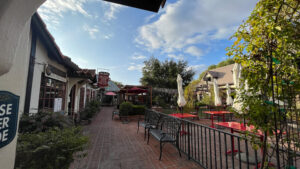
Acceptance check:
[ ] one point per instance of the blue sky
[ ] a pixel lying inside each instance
(97, 34)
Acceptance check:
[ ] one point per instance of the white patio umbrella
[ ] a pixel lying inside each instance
(181, 101)
(229, 100)
(217, 95)
(236, 71)
(237, 104)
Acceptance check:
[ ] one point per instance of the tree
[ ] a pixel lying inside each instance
(164, 74)
(267, 47)
(189, 93)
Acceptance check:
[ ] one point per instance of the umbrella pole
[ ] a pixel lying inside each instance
(181, 110)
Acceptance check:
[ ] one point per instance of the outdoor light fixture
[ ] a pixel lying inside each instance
(149, 5)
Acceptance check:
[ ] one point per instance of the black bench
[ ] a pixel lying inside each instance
(151, 121)
(168, 132)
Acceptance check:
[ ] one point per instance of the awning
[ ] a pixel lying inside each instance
(136, 90)
(110, 94)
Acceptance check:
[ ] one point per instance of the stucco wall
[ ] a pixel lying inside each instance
(15, 82)
(41, 59)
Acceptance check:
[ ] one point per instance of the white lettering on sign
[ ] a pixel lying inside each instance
(5, 109)
(8, 109)
(3, 135)
(4, 122)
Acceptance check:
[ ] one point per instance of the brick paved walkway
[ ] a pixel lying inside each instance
(114, 145)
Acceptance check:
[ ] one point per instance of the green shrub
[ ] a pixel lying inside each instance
(208, 100)
(200, 104)
(90, 110)
(125, 108)
(94, 103)
(51, 149)
(138, 110)
(43, 121)
(48, 141)
(159, 101)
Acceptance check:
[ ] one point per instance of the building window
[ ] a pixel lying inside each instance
(49, 91)
(88, 94)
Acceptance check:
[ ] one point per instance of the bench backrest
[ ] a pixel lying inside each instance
(171, 126)
(152, 117)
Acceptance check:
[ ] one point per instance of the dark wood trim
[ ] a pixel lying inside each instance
(57, 71)
(149, 5)
(30, 73)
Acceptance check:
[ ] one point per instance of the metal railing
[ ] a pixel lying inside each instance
(211, 147)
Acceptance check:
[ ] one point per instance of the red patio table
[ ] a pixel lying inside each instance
(182, 115)
(217, 113)
(242, 128)
(236, 127)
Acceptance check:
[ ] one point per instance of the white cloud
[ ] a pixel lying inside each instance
(137, 56)
(137, 67)
(111, 10)
(92, 31)
(194, 51)
(52, 10)
(183, 23)
(176, 57)
(108, 36)
(197, 68)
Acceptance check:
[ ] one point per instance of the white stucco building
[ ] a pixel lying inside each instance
(43, 78)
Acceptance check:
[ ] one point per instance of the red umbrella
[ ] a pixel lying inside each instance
(137, 90)
(110, 94)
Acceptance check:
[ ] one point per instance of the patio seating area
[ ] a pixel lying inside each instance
(114, 145)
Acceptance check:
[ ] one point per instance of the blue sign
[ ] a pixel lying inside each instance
(9, 109)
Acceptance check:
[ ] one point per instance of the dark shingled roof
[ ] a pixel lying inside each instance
(222, 74)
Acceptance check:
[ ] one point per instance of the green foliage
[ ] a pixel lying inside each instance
(48, 140)
(138, 110)
(190, 95)
(268, 35)
(200, 104)
(164, 74)
(267, 46)
(125, 108)
(159, 101)
(51, 149)
(207, 100)
(43, 121)
(129, 109)
(90, 110)
(225, 63)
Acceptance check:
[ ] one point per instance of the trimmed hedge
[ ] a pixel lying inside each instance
(128, 109)
(138, 110)
(125, 108)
